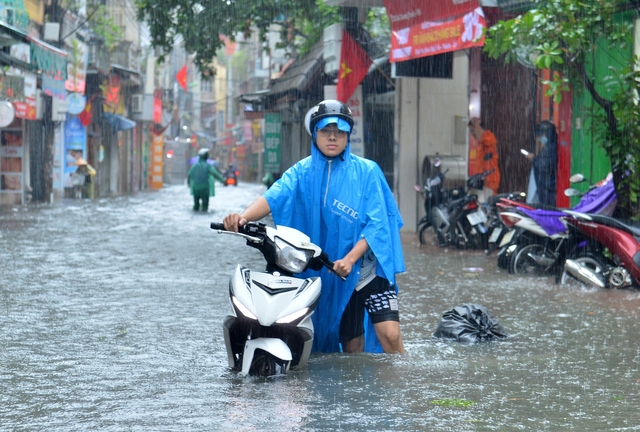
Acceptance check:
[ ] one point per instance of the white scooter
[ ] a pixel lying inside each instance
(269, 328)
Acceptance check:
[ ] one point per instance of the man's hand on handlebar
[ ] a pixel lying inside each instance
(233, 221)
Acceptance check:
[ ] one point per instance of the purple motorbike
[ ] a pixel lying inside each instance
(544, 240)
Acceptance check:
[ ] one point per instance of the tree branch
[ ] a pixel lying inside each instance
(606, 105)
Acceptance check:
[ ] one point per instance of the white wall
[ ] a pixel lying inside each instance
(425, 122)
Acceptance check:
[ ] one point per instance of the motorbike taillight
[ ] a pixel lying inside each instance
(508, 220)
(471, 205)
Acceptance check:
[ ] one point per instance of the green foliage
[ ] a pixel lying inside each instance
(623, 144)
(202, 23)
(310, 30)
(563, 36)
(103, 26)
(379, 27)
(461, 403)
(239, 62)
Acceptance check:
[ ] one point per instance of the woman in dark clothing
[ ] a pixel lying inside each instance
(545, 161)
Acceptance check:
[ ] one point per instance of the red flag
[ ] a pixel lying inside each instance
(86, 115)
(181, 77)
(354, 65)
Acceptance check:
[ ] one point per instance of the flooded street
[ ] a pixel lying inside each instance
(111, 313)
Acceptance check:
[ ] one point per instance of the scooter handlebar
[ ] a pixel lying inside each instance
(217, 226)
(324, 259)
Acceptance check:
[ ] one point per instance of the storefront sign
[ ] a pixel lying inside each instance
(272, 140)
(11, 167)
(53, 87)
(75, 103)
(77, 68)
(75, 146)
(419, 28)
(157, 160)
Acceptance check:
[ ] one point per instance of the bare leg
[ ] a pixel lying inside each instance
(388, 333)
(354, 345)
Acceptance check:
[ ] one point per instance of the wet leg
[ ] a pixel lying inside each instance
(388, 333)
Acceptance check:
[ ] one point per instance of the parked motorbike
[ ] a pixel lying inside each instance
(269, 329)
(497, 228)
(454, 214)
(78, 181)
(611, 256)
(435, 200)
(543, 239)
(468, 219)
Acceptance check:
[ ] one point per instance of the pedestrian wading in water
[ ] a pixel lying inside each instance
(344, 204)
(201, 181)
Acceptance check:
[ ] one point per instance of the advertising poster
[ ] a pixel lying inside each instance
(75, 146)
(157, 160)
(421, 28)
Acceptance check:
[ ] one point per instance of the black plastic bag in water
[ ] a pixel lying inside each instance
(469, 323)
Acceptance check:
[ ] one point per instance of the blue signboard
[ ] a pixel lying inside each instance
(75, 146)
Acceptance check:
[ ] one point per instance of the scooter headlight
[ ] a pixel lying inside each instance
(243, 309)
(293, 317)
(290, 258)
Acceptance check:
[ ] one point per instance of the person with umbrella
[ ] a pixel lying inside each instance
(200, 180)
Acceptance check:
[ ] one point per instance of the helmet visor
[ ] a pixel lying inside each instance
(342, 124)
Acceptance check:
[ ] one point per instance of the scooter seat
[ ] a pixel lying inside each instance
(460, 202)
(632, 227)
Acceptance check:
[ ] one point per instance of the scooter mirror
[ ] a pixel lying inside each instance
(572, 192)
(576, 178)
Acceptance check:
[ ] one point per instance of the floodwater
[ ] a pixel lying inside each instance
(111, 312)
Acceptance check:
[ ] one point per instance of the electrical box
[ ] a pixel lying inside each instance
(136, 103)
(52, 31)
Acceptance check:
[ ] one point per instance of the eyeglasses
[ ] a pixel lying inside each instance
(326, 132)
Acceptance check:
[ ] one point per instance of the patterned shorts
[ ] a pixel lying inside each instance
(381, 303)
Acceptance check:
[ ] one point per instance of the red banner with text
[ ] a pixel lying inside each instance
(420, 28)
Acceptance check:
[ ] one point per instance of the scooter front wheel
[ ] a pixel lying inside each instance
(265, 364)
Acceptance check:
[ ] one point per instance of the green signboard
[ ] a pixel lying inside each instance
(272, 140)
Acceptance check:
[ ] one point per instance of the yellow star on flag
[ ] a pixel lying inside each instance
(345, 70)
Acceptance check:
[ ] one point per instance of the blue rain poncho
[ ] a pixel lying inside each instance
(336, 202)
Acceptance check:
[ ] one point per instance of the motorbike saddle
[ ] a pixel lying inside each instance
(460, 202)
(631, 227)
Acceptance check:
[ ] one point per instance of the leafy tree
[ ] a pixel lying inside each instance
(200, 24)
(563, 35)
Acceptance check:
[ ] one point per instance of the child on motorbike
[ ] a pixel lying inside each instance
(344, 204)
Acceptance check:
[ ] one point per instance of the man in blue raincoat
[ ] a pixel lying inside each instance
(344, 204)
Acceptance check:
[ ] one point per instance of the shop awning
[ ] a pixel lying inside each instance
(421, 28)
(118, 122)
(45, 58)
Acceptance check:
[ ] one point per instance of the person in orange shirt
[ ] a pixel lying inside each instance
(487, 158)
